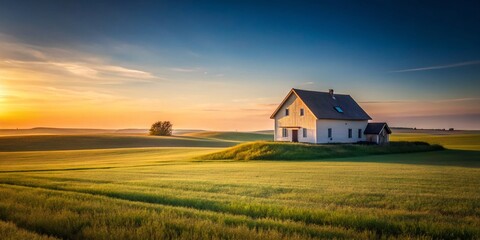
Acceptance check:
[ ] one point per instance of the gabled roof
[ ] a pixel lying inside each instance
(322, 105)
(376, 128)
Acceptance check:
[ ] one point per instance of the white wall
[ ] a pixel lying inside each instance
(375, 138)
(308, 121)
(340, 130)
(383, 134)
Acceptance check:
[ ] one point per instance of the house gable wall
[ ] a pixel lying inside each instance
(308, 121)
(380, 138)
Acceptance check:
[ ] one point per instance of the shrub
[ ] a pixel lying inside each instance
(161, 128)
(301, 151)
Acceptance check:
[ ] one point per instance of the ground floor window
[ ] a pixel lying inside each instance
(304, 132)
(330, 133)
(349, 133)
(359, 133)
(284, 132)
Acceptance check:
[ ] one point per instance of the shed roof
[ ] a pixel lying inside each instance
(322, 105)
(376, 128)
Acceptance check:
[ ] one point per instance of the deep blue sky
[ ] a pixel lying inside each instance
(375, 50)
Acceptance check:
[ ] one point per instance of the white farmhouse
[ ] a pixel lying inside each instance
(325, 117)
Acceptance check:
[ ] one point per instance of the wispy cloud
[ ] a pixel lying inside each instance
(126, 72)
(66, 64)
(61, 80)
(451, 100)
(453, 65)
(186, 70)
(306, 83)
(109, 74)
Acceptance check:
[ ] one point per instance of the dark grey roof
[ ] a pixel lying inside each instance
(376, 128)
(323, 105)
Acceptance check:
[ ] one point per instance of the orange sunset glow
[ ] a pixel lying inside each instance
(119, 82)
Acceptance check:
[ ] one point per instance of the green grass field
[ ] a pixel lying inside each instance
(75, 142)
(233, 136)
(451, 141)
(263, 150)
(120, 191)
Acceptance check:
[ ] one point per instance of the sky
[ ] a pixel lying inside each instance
(226, 65)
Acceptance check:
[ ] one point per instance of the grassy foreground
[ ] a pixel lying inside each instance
(160, 193)
(167, 193)
(300, 151)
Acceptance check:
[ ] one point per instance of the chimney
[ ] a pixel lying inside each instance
(331, 92)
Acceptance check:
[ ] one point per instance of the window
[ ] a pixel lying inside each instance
(287, 112)
(329, 133)
(349, 133)
(284, 132)
(304, 132)
(302, 112)
(339, 109)
(359, 133)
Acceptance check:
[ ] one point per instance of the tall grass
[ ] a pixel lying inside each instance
(9, 231)
(78, 216)
(168, 194)
(300, 151)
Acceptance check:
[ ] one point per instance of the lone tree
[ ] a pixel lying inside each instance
(161, 128)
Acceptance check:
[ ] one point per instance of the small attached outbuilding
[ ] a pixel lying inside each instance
(377, 133)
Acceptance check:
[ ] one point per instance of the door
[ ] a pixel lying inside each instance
(294, 135)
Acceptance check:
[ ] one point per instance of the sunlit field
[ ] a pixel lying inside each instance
(462, 141)
(155, 192)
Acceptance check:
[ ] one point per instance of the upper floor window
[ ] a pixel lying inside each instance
(302, 112)
(287, 112)
(349, 133)
(339, 109)
(304, 132)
